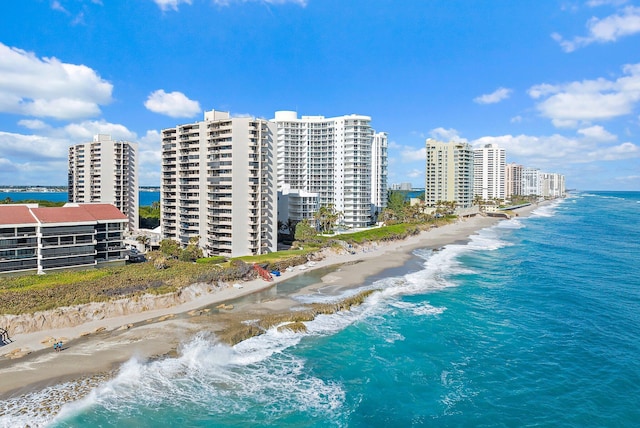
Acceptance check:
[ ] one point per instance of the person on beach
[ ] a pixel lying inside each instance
(55, 346)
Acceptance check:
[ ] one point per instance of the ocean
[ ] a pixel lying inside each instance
(145, 198)
(533, 322)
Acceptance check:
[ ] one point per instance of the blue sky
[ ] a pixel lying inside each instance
(556, 83)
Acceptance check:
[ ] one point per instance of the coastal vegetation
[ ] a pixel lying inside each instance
(31, 293)
(173, 268)
(39, 202)
(149, 216)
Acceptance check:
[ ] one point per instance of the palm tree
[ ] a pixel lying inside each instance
(144, 240)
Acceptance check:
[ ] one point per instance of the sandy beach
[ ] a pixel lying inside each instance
(29, 362)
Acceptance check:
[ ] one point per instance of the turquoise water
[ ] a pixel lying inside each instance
(534, 322)
(145, 198)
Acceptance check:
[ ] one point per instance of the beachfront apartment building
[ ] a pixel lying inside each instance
(41, 240)
(379, 173)
(489, 172)
(553, 185)
(449, 173)
(218, 185)
(512, 180)
(531, 182)
(332, 157)
(105, 171)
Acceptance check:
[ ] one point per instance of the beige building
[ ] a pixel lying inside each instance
(513, 180)
(105, 171)
(219, 185)
(449, 173)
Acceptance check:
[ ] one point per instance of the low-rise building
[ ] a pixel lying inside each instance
(34, 239)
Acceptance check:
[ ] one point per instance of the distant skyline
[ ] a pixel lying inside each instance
(555, 83)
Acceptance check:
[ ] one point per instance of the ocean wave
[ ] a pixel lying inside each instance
(548, 210)
(36, 409)
(217, 380)
(420, 309)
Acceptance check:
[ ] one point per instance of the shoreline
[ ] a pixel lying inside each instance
(98, 347)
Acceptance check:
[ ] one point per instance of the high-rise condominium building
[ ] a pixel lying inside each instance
(105, 171)
(489, 172)
(531, 182)
(449, 173)
(553, 185)
(331, 157)
(513, 180)
(219, 185)
(379, 173)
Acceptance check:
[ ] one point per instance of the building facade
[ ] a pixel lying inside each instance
(333, 158)
(513, 180)
(553, 185)
(296, 205)
(379, 173)
(41, 240)
(449, 173)
(219, 185)
(105, 171)
(531, 182)
(489, 172)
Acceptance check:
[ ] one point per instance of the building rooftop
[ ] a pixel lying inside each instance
(16, 214)
(70, 213)
(103, 212)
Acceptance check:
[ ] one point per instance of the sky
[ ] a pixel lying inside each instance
(556, 83)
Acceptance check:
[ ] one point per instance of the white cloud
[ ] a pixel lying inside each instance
(595, 3)
(410, 154)
(165, 5)
(173, 104)
(597, 133)
(150, 157)
(557, 151)
(613, 153)
(49, 88)
(33, 124)
(273, 2)
(416, 173)
(446, 135)
(516, 119)
(41, 158)
(393, 145)
(84, 131)
(570, 104)
(55, 5)
(605, 30)
(494, 97)
(32, 147)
